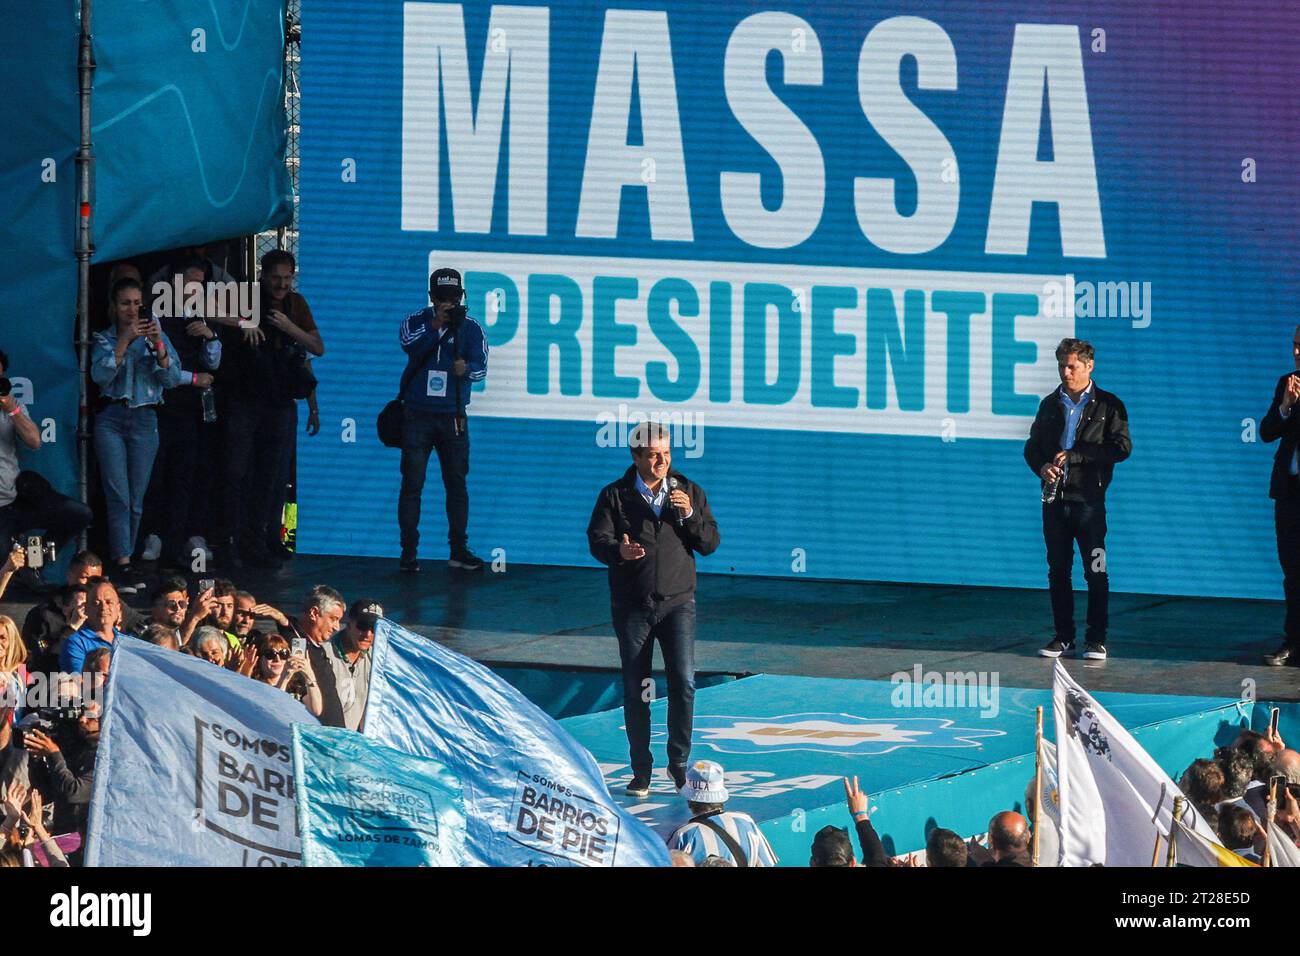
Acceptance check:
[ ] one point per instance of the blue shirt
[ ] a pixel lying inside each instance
(1073, 412)
(656, 502)
(80, 643)
(701, 842)
(139, 379)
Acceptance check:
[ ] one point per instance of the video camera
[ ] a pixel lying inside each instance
(40, 552)
(55, 722)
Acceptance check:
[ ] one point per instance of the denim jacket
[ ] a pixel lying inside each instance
(139, 379)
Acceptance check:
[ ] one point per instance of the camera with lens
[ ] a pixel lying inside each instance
(456, 315)
(55, 722)
(6, 386)
(40, 552)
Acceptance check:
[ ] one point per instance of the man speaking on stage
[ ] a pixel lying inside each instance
(646, 527)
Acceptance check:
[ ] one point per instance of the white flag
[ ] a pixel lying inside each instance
(1282, 848)
(1114, 798)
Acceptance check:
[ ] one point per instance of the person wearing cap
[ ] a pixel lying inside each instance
(714, 831)
(446, 355)
(348, 655)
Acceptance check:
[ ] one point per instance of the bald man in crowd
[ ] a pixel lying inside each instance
(1009, 838)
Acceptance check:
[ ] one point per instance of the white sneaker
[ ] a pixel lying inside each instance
(152, 548)
(198, 543)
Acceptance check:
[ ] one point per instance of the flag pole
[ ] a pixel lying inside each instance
(1269, 814)
(1155, 851)
(1179, 804)
(1038, 785)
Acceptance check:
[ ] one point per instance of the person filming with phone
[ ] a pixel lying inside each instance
(446, 355)
(132, 363)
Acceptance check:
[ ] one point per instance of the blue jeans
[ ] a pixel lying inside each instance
(126, 442)
(422, 434)
(1064, 523)
(638, 628)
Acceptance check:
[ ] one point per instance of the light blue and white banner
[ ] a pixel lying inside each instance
(533, 795)
(194, 766)
(363, 804)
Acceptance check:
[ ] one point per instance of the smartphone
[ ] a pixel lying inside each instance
(1272, 720)
(298, 646)
(1277, 787)
(206, 584)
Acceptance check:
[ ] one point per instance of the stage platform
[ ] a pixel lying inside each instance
(559, 617)
(786, 743)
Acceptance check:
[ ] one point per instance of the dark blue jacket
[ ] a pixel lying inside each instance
(435, 353)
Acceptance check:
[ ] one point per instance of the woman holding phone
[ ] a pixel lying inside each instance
(132, 363)
(274, 662)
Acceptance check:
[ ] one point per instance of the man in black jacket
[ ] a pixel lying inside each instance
(1078, 436)
(647, 527)
(1284, 488)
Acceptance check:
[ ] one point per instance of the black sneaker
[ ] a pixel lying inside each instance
(640, 785)
(1281, 657)
(409, 562)
(1057, 648)
(1093, 651)
(679, 777)
(465, 559)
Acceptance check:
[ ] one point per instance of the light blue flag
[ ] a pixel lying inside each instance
(194, 766)
(363, 804)
(533, 795)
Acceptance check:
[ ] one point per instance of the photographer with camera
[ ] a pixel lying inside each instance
(447, 354)
(63, 743)
(27, 500)
(132, 363)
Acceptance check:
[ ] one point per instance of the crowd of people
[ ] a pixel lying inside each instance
(195, 384)
(320, 656)
(1230, 790)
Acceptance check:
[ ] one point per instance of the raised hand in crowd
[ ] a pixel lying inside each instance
(857, 800)
(12, 805)
(248, 660)
(265, 610)
(199, 610)
(16, 560)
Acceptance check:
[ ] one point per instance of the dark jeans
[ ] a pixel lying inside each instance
(60, 518)
(638, 629)
(1286, 521)
(1064, 523)
(175, 500)
(257, 435)
(422, 434)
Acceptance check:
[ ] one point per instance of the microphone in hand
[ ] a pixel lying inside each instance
(677, 512)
